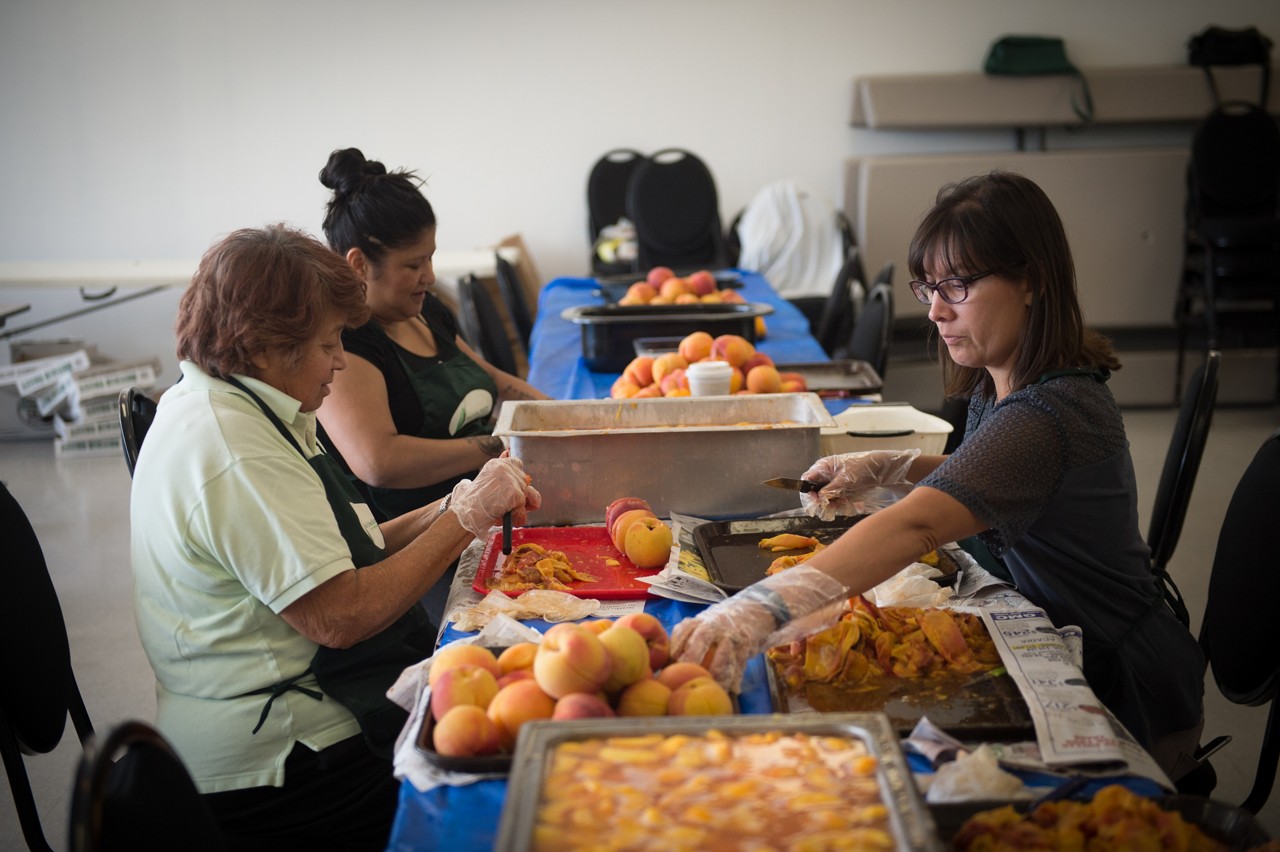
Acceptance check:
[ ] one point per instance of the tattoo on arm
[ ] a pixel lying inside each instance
(512, 391)
(489, 445)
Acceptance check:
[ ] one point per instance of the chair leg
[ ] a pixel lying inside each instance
(1265, 777)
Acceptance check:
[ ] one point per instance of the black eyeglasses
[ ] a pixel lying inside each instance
(952, 290)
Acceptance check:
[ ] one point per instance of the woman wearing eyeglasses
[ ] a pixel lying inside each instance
(1043, 477)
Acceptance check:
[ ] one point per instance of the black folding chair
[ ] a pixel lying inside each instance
(137, 410)
(607, 200)
(482, 325)
(839, 312)
(513, 298)
(38, 689)
(1178, 477)
(133, 794)
(673, 202)
(874, 326)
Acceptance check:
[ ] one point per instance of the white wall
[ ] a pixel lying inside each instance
(147, 128)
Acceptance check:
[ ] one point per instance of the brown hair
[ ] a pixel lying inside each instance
(1003, 222)
(262, 290)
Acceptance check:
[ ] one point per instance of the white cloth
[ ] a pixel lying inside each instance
(230, 525)
(789, 235)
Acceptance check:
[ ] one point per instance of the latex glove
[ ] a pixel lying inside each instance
(725, 635)
(501, 486)
(857, 483)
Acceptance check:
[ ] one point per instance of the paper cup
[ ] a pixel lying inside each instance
(709, 378)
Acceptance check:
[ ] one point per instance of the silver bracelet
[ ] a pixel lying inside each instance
(444, 504)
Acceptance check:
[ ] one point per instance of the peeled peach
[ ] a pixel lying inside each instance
(702, 282)
(517, 656)
(657, 275)
(677, 674)
(466, 731)
(515, 704)
(645, 697)
(570, 659)
(451, 656)
(640, 370)
(666, 362)
(647, 542)
(618, 533)
(700, 696)
(641, 292)
(655, 635)
(695, 346)
(764, 379)
(629, 655)
(462, 685)
(581, 705)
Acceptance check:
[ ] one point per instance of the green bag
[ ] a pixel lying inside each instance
(1023, 56)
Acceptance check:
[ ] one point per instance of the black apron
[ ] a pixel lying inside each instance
(357, 677)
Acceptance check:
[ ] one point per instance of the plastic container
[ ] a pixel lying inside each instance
(709, 378)
(895, 426)
(609, 332)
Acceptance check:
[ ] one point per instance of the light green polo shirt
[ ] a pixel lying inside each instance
(230, 525)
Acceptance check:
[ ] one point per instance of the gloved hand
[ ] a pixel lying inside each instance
(499, 487)
(727, 634)
(857, 483)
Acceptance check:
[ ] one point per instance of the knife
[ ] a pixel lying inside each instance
(802, 485)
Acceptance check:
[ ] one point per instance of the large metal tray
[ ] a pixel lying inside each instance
(912, 824)
(731, 549)
(699, 456)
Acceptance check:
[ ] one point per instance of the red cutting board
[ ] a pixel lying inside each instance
(588, 549)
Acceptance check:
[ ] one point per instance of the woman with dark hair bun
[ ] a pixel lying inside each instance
(1043, 476)
(413, 413)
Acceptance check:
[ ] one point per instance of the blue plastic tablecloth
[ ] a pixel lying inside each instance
(555, 345)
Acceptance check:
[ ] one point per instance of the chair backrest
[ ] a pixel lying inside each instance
(874, 326)
(479, 316)
(672, 201)
(137, 410)
(513, 298)
(607, 188)
(1237, 634)
(132, 792)
(1182, 462)
(835, 324)
(38, 688)
(1235, 164)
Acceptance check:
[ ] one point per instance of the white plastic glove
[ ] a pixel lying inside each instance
(501, 486)
(857, 483)
(727, 634)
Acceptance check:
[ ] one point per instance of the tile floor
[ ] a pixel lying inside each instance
(79, 508)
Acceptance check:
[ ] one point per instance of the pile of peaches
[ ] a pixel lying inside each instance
(664, 375)
(638, 533)
(580, 670)
(663, 287)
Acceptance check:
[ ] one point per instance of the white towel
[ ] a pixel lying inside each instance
(789, 235)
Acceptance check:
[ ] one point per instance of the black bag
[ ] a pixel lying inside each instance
(1218, 46)
(1020, 56)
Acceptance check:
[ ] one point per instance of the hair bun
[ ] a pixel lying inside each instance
(347, 170)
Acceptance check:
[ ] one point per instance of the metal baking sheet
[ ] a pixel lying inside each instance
(911, 822)
(589, 549)
(835, 379)
(731, 549)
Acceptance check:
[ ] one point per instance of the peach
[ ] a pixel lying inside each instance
(630, 657)
(517, 656)
(623, 388)
(678, 392)
(570, 659)
(645, 697)
(466, 731)
(675, 380)
(764, 379)
(648, 392)
(677, 674)
(702, 282)
(581, 705)
(736, 381)
(598, 625)
(622, 504)
(687, 299)
(700, 696)
(711, 299)
(666, 362)
(513, 676)
(462, 685)
(695, 346)
(793, 382)
(673, 287)
(640, 370)
(733, 348)
(732, 297)
(641, 292)
(757, 358)
(517, 703)
(655, 635)
(647, 543)
(451, 656)
(657, 275)
(624, 521)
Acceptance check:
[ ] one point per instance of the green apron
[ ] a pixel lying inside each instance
(456, 396)
(357, 677)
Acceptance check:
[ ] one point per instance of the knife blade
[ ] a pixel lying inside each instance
(787, 484)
